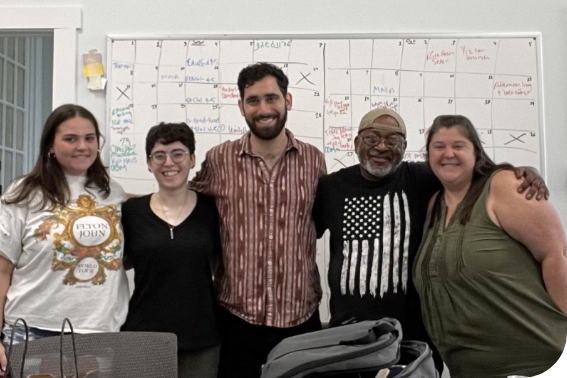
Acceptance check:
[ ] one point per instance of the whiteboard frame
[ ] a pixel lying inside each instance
(537, 36)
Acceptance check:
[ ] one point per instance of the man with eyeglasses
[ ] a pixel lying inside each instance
(375, 213)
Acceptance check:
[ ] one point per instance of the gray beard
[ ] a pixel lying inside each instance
(379, 172)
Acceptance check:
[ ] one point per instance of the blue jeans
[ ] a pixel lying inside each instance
(20, 334)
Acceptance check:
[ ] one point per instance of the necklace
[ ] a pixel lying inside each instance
(165, 216)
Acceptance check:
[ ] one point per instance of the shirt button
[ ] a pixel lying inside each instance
(270, 237)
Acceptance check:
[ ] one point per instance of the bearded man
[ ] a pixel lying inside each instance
(263, 184)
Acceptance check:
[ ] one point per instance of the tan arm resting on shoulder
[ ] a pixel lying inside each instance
(537, 225)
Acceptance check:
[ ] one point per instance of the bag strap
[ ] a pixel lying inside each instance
(9, 372)
(66, 320)
(373, 334)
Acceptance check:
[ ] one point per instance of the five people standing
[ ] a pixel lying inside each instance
(273, 200)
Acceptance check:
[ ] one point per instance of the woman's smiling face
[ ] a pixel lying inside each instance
(451, 156)
(75, 146)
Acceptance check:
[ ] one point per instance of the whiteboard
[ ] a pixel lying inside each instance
(493, 80)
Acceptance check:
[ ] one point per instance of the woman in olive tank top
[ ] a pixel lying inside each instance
(492, 268)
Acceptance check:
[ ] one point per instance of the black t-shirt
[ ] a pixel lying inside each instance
(173, 278)
(375, 231)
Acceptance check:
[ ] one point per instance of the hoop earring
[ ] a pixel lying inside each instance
(50, 155)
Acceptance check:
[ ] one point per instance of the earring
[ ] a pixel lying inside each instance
(50, 154)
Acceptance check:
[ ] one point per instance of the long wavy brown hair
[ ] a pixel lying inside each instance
(47, 177)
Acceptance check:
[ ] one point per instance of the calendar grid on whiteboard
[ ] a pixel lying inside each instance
(157, 93)
(496, 80)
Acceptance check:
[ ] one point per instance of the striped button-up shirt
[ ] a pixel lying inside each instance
(268, 274)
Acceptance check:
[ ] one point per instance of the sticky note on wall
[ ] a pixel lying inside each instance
(92, 64)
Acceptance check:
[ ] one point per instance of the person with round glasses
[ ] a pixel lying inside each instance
(171, 240)
(177, 156)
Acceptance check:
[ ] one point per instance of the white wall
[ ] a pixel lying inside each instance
(549, 17)
(103, 17)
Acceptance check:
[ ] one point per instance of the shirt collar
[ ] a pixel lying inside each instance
(246, 148)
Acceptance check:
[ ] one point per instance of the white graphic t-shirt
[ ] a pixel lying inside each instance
(68, 261)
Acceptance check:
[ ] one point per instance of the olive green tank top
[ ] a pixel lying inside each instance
(483, 299)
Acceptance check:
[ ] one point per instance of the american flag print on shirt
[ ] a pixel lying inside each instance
(376, 234)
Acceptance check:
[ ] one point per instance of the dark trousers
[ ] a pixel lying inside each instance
(245, 347)
(202, 363)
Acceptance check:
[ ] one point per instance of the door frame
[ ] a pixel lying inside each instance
(64, 22)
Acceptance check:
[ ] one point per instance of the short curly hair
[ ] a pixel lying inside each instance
(256, 72)
(166, 133)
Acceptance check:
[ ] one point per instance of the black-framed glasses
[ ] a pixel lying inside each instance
(177, 156)
(391, 141)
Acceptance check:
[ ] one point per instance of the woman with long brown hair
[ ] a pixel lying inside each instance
(60, 236)
(492, 268)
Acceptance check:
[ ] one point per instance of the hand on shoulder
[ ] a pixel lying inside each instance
(506, 206)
